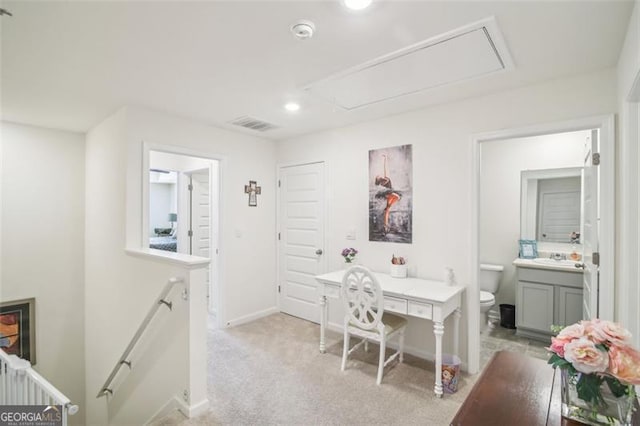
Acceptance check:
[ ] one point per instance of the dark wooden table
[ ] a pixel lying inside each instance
(515, 389)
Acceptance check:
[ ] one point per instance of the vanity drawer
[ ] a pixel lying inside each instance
(544, 276)
(422, 310)
(392, 304)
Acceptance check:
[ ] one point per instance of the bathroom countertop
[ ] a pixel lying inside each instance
(549, 264)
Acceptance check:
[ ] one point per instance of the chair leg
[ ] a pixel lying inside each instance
(366, 345)
(383, 349)
(401, 345)
(345, 348)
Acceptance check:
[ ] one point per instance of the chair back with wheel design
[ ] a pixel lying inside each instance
(362, 298)
(365, 318)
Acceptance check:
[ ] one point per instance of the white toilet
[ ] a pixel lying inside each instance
(489, 283)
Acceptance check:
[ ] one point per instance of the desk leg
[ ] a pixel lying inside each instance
(438, 331)
(323, 322)
(456, 331)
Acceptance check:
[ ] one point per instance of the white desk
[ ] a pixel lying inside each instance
(416, 297)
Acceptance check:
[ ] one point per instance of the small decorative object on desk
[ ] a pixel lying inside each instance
(599, 370)
(398, 267)
(349, 254)
(449, 276)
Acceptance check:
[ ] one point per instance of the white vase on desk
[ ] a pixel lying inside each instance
(398, 271)
(449, 277)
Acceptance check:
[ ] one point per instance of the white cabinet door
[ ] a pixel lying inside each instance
(535, 306)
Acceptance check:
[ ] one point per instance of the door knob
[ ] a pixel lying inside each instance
(319, 252)
(579, 265)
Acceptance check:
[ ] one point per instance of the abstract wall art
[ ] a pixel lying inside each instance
(17, 329)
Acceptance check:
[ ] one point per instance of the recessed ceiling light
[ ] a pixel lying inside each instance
(292, 106)
(357, 4)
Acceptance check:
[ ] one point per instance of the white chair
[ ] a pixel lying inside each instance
(365, 318)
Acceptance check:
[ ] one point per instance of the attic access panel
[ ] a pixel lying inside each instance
(460, 55)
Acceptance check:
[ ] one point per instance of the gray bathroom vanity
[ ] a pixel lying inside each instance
(548, 292)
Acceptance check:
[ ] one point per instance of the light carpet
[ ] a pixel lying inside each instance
(270, 372)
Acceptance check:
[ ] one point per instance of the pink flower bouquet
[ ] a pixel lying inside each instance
(597, 352)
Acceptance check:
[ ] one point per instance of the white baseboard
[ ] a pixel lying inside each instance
(252, 317)
(177, 403)
(170, 406)
(193, 410)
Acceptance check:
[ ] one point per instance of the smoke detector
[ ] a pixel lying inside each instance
(303, 29)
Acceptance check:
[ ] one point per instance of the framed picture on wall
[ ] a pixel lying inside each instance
(528, 249)
(18, 328)
(391, 194)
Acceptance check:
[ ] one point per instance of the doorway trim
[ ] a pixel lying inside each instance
(219, 292)
(606, 124)
(629, 242)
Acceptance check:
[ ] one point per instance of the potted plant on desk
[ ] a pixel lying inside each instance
(349, 254)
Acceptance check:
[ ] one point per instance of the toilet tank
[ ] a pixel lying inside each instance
(490, 277)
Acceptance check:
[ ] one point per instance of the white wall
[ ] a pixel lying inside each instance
(162, 201)
(442, 158)
(247, 233)
(628, 179)
(181, 163)
(43, 246)
(501, 164)
(120, 291)
(116, 283)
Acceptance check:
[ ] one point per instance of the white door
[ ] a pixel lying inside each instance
(200, 213)
(200, 221)
(301, 239)
(591, 217)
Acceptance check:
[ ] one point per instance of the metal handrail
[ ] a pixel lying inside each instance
(104, 390)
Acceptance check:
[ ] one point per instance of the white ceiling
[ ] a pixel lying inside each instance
(68, 65)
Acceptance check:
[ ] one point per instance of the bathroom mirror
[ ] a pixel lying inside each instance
(550, 210)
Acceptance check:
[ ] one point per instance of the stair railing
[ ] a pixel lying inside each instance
(124, 359)
(22, 385)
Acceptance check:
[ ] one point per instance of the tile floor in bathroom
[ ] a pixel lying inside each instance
(505, 339)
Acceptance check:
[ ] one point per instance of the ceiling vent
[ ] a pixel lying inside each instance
(468, 52)
(253, 124)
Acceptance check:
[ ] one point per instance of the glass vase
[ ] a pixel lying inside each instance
(614, 411)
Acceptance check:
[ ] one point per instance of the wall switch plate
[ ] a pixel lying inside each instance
(351, 234)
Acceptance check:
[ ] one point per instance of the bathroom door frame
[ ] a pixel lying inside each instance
(606, 125)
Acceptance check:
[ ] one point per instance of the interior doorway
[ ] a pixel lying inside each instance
(184, 212)
(605, 189)
(530, 189)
